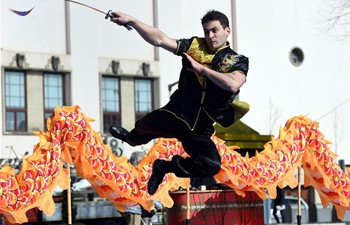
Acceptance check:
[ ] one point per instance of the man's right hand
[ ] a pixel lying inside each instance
(121, 19)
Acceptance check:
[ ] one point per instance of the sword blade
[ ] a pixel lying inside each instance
(107, 14)
(90, 7)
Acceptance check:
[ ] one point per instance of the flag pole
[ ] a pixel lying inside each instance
(188, 210)
(69, 200)
(299, 198)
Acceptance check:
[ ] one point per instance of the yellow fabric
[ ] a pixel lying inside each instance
(241, 108)
(70, 139)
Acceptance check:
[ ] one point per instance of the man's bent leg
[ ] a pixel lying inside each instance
(159, 170)
(204, 161)
(204, 158)
(119, 132)
(154, 125)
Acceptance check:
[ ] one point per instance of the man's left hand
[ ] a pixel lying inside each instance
(196, 66)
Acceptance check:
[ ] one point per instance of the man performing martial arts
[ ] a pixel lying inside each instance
(210, 79)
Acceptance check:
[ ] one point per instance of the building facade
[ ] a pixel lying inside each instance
(62, 53)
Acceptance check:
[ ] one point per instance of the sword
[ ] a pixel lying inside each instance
(107, 15)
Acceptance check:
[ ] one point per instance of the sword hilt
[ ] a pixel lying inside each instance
(110, 15)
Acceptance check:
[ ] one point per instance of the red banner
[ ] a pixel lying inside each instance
(216, 207)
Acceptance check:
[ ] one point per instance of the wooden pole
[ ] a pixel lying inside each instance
(188, 209)
(299, 198)
(69, 202)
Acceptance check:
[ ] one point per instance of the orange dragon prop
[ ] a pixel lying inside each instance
(70, 139)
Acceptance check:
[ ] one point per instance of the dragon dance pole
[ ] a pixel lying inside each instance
(188, 205)
(69, 208)
(299, 198)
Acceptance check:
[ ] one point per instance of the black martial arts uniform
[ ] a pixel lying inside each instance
(192, 110)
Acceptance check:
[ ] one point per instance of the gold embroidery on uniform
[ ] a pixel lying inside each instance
(199, 52)
(200, 79)
(227, 62)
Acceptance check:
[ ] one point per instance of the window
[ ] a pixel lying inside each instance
(110, 102)
(296, 56)
(143, 97)
(53, 93)
(15, 97)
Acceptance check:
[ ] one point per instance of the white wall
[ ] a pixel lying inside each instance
(118, 42)
(82, 37)
(43, 30)
(266, 33)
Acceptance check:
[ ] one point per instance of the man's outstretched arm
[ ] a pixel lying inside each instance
(150, 34)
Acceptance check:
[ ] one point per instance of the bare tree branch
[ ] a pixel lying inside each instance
(337, 17)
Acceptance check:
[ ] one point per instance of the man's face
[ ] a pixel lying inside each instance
(215, 35)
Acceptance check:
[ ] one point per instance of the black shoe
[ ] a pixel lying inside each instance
(156, 177)
(119, 133)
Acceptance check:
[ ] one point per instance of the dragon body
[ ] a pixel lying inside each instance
(71, 140)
